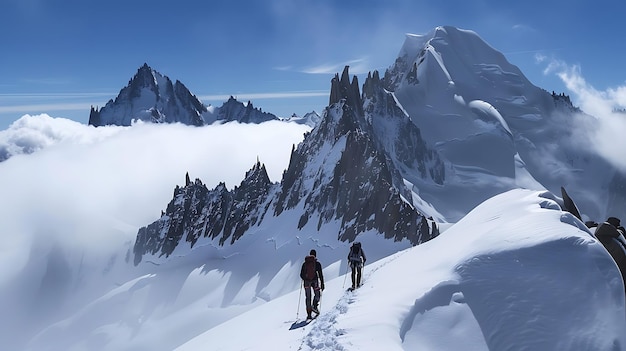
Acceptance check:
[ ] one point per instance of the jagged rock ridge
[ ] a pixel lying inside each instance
(341, 172)
(196, 212)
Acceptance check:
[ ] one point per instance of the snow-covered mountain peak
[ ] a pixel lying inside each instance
(458, 40)
(311, 119)
(486, 118)
(146, 77)
(151, 96)
(458, 60)
(234, 110)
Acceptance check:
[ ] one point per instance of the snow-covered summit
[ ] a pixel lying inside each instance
(486, 119)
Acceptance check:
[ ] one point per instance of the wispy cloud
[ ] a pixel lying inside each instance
(53, 95)
(357, 66)
(45, 102)
(48, 102)
(538, 53)
(258, 96)
(284, 68)
(33, 108)
(607, 135)
(523, 27)
(47, 81)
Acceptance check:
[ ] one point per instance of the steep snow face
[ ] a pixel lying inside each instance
(452, 58)
(396, 133)
(486, 119)
(151, 96)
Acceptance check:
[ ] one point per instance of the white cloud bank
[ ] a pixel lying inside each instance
(84, 184)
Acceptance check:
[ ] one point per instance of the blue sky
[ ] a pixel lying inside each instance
(61, 56)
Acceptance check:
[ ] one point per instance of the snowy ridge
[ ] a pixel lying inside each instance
(500, 286)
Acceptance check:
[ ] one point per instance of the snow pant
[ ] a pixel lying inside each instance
(357, 268)
(311, 287)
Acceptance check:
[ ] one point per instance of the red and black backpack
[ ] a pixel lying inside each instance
(309, 268)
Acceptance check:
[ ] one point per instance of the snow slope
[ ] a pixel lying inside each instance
(516, 273)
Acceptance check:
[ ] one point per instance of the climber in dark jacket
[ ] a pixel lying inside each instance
(614, 242)
(356, 258)
(312, 279)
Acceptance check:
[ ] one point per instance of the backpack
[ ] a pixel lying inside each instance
(309, 268)
(355, 252)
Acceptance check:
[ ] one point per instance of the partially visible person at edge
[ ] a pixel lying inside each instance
(313, 279)
(611, 235)
(356, 258)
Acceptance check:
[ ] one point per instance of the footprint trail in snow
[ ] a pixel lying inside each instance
(324, 333)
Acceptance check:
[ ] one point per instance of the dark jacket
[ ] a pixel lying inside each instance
(615, 243)
(318, 272)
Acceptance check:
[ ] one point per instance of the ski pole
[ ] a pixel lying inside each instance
(345, 276)
(299, 297)
(319, 307)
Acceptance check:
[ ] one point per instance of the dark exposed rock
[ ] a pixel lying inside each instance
(397, 134)
(197, 212)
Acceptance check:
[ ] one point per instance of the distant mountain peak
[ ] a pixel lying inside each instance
(234, 110)
(151, 96)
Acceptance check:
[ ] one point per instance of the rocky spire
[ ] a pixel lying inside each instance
(94, 116)
(372, 83)
(342, 88)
